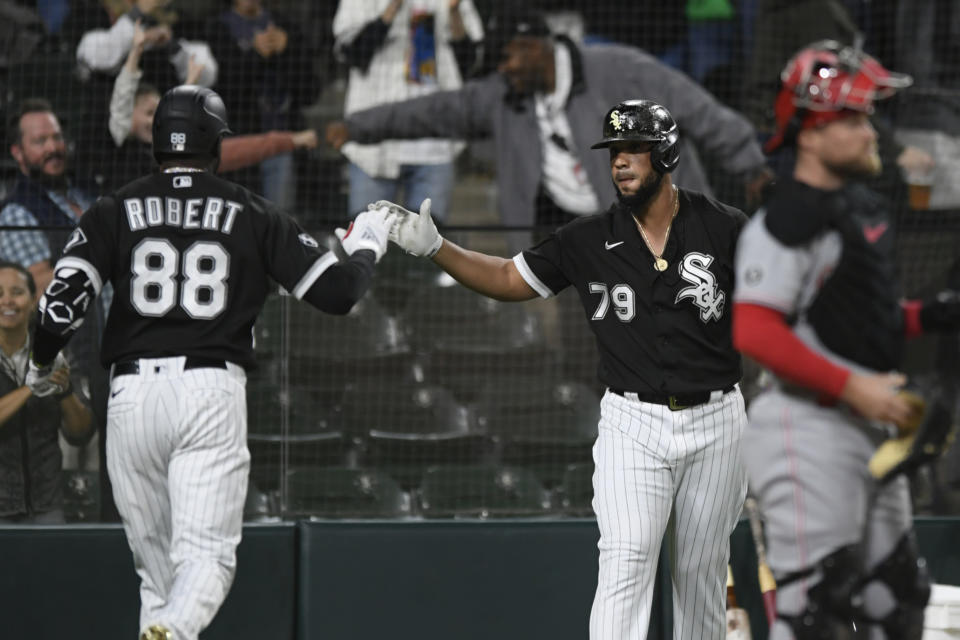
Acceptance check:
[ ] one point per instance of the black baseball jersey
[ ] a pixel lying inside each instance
(658, 332)
(189, 255)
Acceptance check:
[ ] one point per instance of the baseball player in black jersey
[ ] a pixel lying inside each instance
(190, 256)
(654, 274)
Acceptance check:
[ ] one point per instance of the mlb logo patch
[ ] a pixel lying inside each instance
(182, 182)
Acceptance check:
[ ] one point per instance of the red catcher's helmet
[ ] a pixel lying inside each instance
(825, 81)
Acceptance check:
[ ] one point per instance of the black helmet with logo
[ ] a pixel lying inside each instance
(189, 121)
(644, 121)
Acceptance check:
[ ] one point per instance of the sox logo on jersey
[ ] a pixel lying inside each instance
(705, 293)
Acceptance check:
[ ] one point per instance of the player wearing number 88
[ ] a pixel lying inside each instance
(190, 256)
(653, 273)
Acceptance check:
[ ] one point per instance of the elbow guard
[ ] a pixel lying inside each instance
(64, 304)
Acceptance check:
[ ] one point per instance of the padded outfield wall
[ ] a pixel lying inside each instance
(358, 580)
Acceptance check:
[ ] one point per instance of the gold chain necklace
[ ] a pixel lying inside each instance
(658, 262)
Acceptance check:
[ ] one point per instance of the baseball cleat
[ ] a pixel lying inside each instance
(156, 632)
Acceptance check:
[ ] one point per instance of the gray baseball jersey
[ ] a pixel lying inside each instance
(806, 456)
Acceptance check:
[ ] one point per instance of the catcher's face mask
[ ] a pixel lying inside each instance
(826, 81)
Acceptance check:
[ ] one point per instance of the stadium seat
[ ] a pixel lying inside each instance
(340, 492)
(399, 276)
(407, 428)
(368, 331)
(574, 495)
(482, 491)
(468, 338)
(294, 427)
(538, 423)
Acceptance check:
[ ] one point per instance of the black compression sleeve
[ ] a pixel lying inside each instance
(46, 345)
(343, 284)
(360, 51)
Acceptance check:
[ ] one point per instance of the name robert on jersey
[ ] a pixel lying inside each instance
(215, 214)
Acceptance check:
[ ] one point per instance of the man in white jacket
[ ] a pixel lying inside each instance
(397, 50)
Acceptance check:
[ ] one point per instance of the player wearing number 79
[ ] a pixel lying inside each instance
(654, 274)
(189, 255)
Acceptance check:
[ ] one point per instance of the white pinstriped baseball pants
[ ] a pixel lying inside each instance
(655, 466)
(178, 460)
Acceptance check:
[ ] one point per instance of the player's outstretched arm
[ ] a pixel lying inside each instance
(63, 306)
(340, 285)
(492, 276)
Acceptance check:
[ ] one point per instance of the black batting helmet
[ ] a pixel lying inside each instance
(189, 121)
(644, 121)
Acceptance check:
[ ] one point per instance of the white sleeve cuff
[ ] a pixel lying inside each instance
(527, 274)
(315, 271)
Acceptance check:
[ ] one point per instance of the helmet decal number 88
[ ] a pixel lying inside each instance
(155, 264)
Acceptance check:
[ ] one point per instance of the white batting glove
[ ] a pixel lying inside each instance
(38, 378)
(369, 230)
(415, 234)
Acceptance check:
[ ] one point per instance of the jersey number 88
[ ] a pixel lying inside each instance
(153, 288)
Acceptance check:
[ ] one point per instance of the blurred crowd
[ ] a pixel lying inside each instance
(286, 70)
(335, 105)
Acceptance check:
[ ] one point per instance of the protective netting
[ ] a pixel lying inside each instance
(429, 400)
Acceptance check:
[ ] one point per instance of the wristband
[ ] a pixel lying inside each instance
(435, 248)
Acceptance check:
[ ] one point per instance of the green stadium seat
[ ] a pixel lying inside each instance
(340, 492)
(468, 338)
(539, 423)
(482, 491)
(406, 428)
(314, 433)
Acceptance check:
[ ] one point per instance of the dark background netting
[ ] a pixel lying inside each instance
(428, 400)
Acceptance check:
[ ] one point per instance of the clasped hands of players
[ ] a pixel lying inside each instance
(414, 233)
(370, 230)
(53, 379)
(384, 220)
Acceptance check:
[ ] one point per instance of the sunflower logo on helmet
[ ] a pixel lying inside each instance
(825, 81)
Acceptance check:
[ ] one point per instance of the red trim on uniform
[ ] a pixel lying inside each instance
(763, 334)
(799, 503)
(912, 327)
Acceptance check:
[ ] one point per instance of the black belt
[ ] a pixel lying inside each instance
(677, 402)
(132, 367)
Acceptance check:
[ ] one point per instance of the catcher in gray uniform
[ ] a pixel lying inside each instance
(816, 302)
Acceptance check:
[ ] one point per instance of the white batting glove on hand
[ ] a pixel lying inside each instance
(415, 234)
(38, 378)
(369, 230)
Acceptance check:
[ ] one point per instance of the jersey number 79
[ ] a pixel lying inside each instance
(156, 264)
